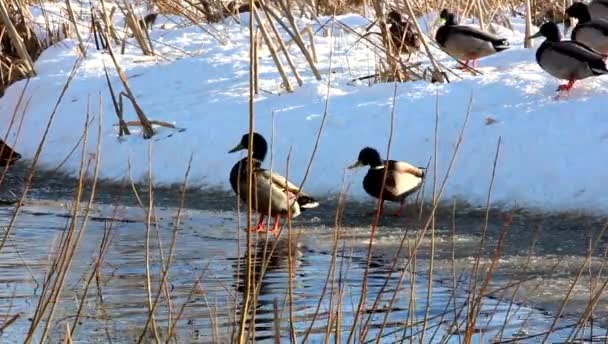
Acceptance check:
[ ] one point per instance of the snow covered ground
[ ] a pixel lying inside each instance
(553, 154)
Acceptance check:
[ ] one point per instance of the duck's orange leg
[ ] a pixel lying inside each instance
(401, 206)
(275, 227)
(566, 87)
(466, 65)
(260, 226)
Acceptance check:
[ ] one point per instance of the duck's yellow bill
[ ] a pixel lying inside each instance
(237, 148)
(355, 165)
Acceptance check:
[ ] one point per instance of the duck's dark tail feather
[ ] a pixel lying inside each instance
(501, 44)
(7, 155)
(307, 202)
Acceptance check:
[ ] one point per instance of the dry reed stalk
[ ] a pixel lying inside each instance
(135, 28)
(297, 37)
(308, 168)
(290, 272)
(241, 336)
(576, 279)
(110, 29)
(28, 180)
(171, 332)
(186, 13)
(375, 222)
(256, 63)
(16, 40)
(9, 321)
(70, 244)
(332, 265)
(474, 297)
(437, 75)
(528, 29)
(103, 249)
(301, 185)
(68, 337)
(475, 273)
(83, 50)
(422, 233)
(172, 245)
(311, 38)
(434, 194)
(146, 126)
(272, 51)
(518, 285)
(123, 128)
(148, 282)
(588, 313)
(283, 48)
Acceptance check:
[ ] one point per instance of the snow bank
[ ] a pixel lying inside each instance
(553, 153)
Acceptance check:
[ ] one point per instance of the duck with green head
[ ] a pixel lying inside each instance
(465, 42)
(272, 194)
(567, 60)
(402, 179)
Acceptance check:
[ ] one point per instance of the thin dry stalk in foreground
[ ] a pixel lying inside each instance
(241, 337)
(374, 226)
(30, 176)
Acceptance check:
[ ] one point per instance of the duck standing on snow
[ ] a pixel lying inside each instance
(7, 155)
(567, 60)
(598, 9)
(465, 42)
(402, 33)
(271, 191)
(402, 179)
(591, 32)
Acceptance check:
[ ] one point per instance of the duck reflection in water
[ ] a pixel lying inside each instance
(270, 281)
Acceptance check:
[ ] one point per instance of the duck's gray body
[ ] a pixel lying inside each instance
(272, 194)
(598, 9)
(570, 60)
(593, 34)
(468, 43)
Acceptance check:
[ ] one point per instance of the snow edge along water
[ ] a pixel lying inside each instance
(551, 156)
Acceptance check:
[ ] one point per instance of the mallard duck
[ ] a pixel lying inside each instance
(598, 9)
(591, 32)
(402, 33)
(465, 42)
(567, 60)
(7, 155)
(402, 179)
(272, 192)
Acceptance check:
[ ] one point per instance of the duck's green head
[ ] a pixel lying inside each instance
(550, 31)
(367, 157)
(446, 17)
(259, 147)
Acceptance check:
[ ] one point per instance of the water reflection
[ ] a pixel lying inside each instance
(273, 261)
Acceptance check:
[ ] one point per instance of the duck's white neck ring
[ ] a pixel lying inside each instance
(377, 167)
